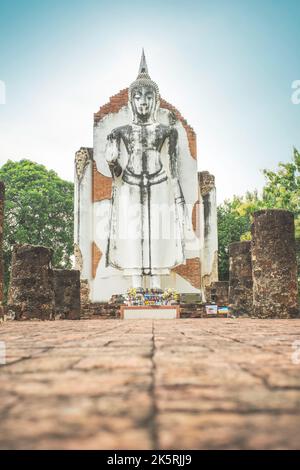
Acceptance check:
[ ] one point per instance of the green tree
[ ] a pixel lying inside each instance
(281, 191)
(231, 227)
(38, 210)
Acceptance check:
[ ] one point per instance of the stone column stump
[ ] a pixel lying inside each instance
(217, 292)
(240, 278)
(31, 293)
(67, 293)
(275, 289)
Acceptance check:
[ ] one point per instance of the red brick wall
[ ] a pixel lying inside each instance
(114, 105)
(190, 271)
(96, 257)
(101, 187)
(196, 218)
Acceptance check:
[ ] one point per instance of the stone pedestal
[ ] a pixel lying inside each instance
(2, 193)
(240, 278)
(31, 293)
(275, 289)
(67, 293)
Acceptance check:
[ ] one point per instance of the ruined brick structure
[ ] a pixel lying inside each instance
(206, 182)
(2, 194)
(217, 292)
(39, 292)
(275, 289)
(84, 293)
(240, 278)
(31, 293)
(192, 311)
(191, 271)
(100, 310)
(66, 284)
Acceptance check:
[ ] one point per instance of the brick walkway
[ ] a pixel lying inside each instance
(186, 384)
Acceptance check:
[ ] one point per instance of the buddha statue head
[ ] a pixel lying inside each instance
(143, 96)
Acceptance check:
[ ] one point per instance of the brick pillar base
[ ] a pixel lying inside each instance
(217, 292)
(240, 278)
(275, 288)
(67, 293)
(31, 293)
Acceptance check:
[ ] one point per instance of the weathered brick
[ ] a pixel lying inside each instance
(273, 251)
(96, 257)
(240, 278)
(67, 293)
(101, 185)
(191, 271)
(217, 292)
(31, 293)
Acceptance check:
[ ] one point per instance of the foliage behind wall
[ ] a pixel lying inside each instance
(38, 210)
(281, 191)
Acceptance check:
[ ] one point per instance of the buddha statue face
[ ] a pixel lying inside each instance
(143, 102)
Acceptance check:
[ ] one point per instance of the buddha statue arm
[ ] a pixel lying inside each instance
(178, 194)
(173, 155)
(112, 153)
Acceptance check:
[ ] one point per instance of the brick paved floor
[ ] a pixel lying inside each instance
(183, 384)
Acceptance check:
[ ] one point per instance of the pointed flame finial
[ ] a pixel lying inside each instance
(143, 78)
(143, 69)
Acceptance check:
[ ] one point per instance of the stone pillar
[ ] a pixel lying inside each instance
(208, 230)
(31, 293)
(83, 212)
(84, 293)
(217, 293)
(240, 278)
(275, 289)
(67, 293)
(2, 193)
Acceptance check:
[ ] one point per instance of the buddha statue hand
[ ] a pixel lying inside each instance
(179, 205)
(115, 168)
(112, 152)
(178, 194)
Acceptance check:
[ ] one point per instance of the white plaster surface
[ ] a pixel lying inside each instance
(83, 220)
(209, 242)
(152, 314)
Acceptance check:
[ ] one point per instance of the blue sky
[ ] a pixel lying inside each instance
(227, 65)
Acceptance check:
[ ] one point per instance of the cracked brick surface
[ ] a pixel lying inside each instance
(182, 384)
